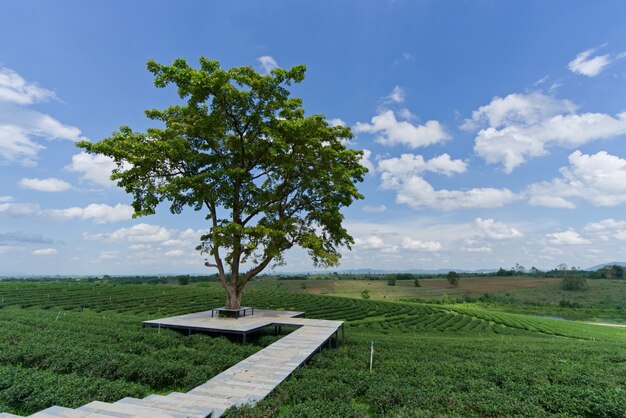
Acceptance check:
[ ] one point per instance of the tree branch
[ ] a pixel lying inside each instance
(256, 270)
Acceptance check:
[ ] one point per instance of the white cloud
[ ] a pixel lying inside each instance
(336, 122)
(397, 95)
(394, 169)
(497, 230)
(444, 165)
(94, 168)
(268, 63)
(109, 255)
(45, 185)
(599, 178)
(569, 237)
(366, 162)
(45, 251)
(411, 244)
(191, 236)
(172, 243)
(621, 55)
(620, 235)
(140, 247)
(140, 233)
(14, 89)
(15, 145)
(589, 65)
(148, 244)
(369, 242)
(98, 212)
(605, 225)
(36, 124)
(417, 193)
(540, 199)
(391, 131)
(20, 127)
(607, 229)
(375, 209)
(408, 57)
(517, 127)
(555, 86)
(403, 175)
(465, 244)
(514, 109)
(18, 210)
(481, 249)
(5, 198)
(9, 248)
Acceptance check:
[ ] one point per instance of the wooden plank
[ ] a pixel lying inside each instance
(169, 405)
(61, 411)
(127, 411)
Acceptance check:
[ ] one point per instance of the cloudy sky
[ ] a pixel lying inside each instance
(494, 131)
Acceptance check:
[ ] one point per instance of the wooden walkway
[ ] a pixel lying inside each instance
(246, 382)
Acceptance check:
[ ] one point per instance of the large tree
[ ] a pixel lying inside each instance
(241, 150)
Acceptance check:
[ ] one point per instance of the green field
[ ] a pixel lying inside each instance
(429, 290)
(604, 301)
(68, 344)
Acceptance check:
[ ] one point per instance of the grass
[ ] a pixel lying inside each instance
(604, 301)
(69, 344)
(443, 374)
(430, 289)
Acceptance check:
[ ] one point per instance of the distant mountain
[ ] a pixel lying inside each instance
(613, 263)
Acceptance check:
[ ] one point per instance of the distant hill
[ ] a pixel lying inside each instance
(613, 263)
(379, 271)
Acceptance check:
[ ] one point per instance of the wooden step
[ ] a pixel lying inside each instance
(218, 405)
(61, 411)
(127, 411)
(202, 400)
(7, 415)
(169, 405)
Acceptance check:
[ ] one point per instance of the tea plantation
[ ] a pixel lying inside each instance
(69, 344)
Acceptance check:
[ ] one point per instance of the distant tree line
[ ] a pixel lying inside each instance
(181, 279)
(614, 271)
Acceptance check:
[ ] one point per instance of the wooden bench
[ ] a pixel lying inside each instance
(232, 313)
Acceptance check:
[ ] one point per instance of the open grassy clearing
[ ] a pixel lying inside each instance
(601, 293)
(405, 289)
(604, 301)
(429, 359)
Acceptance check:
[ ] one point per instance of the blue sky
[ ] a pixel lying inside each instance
(494, 130)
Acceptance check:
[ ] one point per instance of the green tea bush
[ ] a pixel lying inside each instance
(80, 342)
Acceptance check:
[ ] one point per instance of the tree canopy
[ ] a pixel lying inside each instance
(453, 278)
(241, 150)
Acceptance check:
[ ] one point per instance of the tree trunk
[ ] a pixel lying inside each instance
(233, 296)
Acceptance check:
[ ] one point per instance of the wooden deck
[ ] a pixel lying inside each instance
(246, 382)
